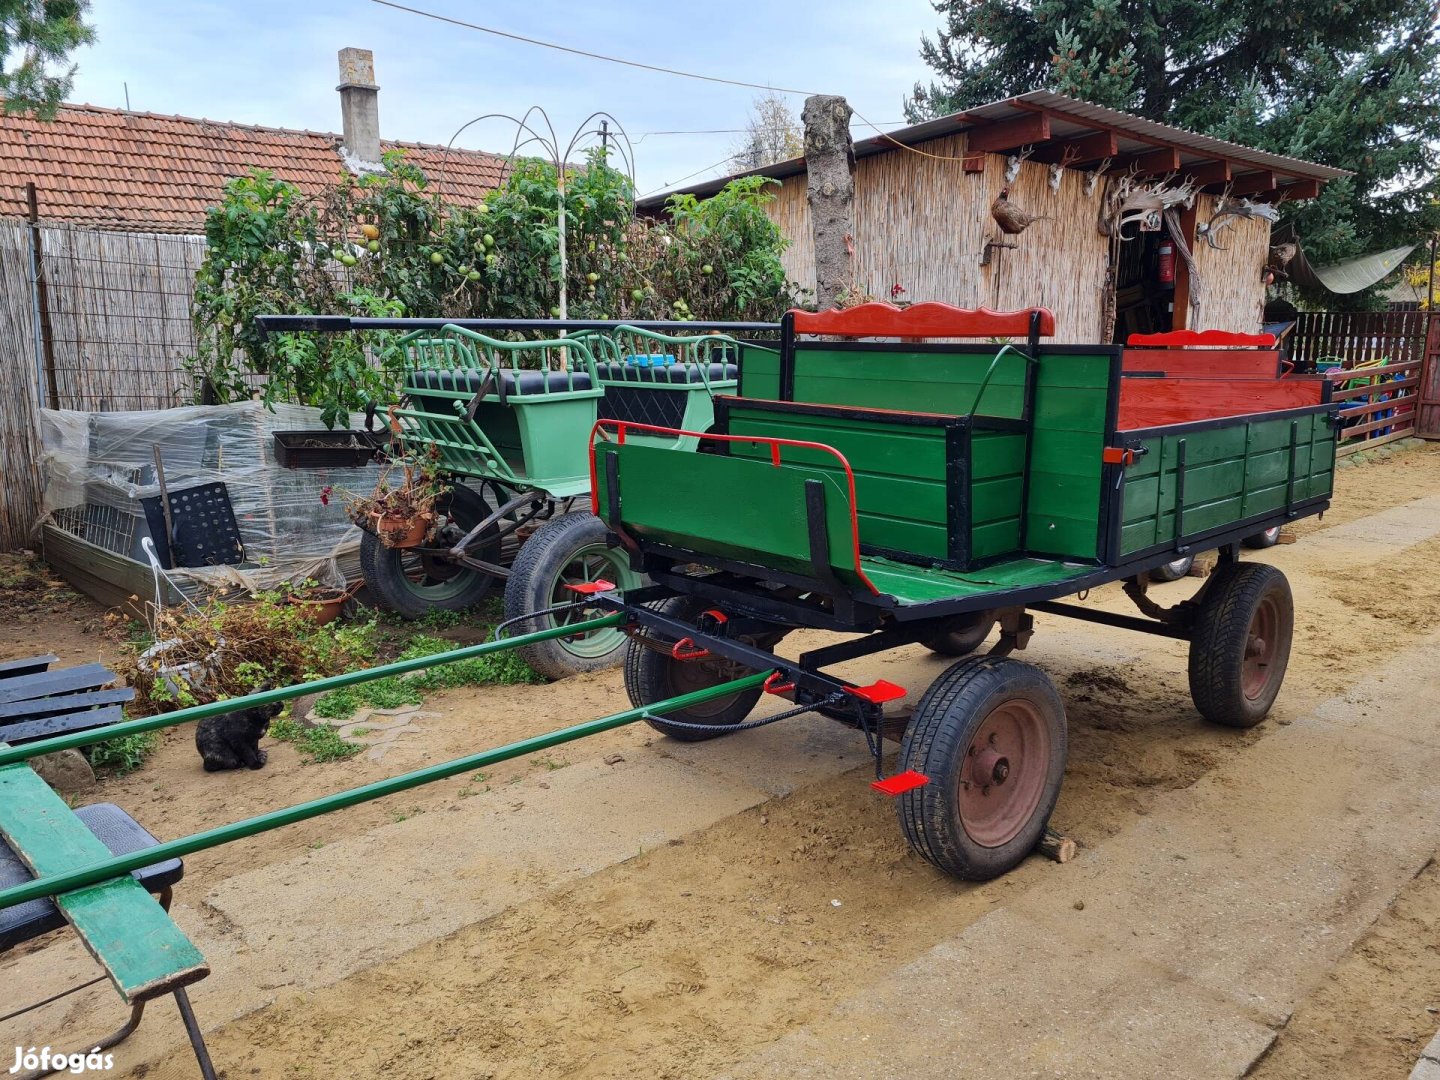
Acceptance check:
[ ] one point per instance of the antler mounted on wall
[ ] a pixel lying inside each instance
(1012, 163)
(1068, 158)
(1129, 201)
(1229, 210)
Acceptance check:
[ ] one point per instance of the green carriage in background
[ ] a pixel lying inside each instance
(506, 423)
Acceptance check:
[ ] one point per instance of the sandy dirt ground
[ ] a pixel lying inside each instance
(682, 960)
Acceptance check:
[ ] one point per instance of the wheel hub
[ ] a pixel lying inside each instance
(1002, 779)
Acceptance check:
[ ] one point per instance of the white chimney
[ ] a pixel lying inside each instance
(359, 111)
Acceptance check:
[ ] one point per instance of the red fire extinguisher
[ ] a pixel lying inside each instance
(1165, 263)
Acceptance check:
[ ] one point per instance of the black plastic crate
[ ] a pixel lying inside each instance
(318, 449)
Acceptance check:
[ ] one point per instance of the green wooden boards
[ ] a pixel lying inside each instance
(1232, 473)
(125, 929)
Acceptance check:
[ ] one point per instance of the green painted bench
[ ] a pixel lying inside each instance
(128, 932)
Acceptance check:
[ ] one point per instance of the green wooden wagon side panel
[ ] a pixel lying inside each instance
(911, 381)
(997, 475)
(1232, 473)
(1068, 435)
(900, 471)
(730, 507)
(760, 374)
(121, 924)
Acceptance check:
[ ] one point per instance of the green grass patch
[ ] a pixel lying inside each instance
(497, 669)
(124, 754)
(321, 744)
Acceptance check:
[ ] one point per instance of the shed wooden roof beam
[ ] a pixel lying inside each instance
(1160, 162)
(1081, 150)
(1253, 183)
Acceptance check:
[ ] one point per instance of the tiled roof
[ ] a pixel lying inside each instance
(112, 169)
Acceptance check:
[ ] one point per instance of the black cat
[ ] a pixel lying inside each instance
(232, 740)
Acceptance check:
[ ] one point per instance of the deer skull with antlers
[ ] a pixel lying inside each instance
(1229, 210)
(1128, 201)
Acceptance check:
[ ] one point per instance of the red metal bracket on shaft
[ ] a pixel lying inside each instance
(686, 649)
(878, 692)
(900, 783)
(1117, 455)
(590, 588)
(772, 685)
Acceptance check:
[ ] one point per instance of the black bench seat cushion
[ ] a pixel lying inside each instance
(469, 381)
(119, 832)
(681, 374)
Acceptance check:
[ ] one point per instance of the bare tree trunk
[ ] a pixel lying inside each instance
(830, 165)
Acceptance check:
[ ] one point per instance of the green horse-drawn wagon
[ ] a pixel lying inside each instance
(504, 423)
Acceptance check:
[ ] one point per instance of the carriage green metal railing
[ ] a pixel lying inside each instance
(275, 819)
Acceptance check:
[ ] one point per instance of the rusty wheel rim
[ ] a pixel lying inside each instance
(1002, 777)
(1262, 646)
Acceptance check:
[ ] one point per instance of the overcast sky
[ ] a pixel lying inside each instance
(273, 62)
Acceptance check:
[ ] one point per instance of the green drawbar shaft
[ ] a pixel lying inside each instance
(11, 754)
(275, 819)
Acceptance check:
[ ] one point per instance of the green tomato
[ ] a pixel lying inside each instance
(707, 269)
(555, 312)
(373, 245)
(488, 240)
(592, 277)
(473, 275)
(478, 246)
(483, 208)
(637, 295)
(348, 260)
(437, 258)
(491, 260)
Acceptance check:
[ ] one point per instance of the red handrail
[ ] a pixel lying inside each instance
(622, 426)
(930, 319)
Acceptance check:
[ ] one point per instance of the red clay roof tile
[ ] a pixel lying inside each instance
(112, 169)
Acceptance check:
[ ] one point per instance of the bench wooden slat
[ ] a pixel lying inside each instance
(124, 928)
(30, 730)
(29, 666)
(62, 703)
(65, 681)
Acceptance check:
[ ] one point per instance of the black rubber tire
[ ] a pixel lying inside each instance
(652, 676)
(1262, 540)
(1173, 570)
(1221, 637)
(969, 633)
(387, 571)
(946, 720)
(531, 587)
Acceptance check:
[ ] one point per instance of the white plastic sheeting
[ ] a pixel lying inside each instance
(96, 467)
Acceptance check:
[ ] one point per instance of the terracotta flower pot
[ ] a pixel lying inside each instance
(397, 531)
(320, 609)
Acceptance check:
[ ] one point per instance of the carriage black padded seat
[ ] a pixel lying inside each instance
(681, 374)
(525, 383)
(119, 832)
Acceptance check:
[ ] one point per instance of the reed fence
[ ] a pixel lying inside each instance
(118, 311)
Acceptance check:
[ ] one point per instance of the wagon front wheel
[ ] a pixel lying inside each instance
(568, 550)
(1240, 645)
(413, 585)
(990, 736)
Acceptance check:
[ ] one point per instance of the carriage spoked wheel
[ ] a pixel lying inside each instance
(411, 583)
(990, 735)
(567, 550)
(1240, 644)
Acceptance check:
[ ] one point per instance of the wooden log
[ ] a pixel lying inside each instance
(1054, 846)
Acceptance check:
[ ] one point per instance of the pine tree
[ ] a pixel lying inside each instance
(1353, 84)
(43, 33)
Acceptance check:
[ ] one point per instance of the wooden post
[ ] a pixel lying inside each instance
(42, 298)
(1180, 317)
(830, 191)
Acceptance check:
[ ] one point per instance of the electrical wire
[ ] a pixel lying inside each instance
(583, 52)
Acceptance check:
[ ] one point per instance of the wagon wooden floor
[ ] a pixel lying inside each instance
(673, 914)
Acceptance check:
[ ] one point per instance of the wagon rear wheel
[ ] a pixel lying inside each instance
(653, 675)
(963, 635)
(990, 735)
(1268, 538)
(1240, 646)
(1173, 570)
(411, 584)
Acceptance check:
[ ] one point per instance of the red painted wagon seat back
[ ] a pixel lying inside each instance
(928, 320)
(1183, 399)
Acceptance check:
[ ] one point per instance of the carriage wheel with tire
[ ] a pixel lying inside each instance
(1173, 570)
(567, 550)
(963, 635)
(652, 675)
(1268, 538)
(990, 736)
(1240, 644)
(412, 584)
